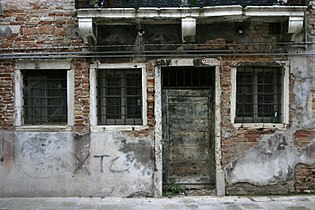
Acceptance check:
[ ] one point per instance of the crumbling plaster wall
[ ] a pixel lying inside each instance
(69, 164)
(254, 158)
(269, 160)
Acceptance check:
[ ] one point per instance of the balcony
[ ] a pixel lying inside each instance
(80, 4)
(92, 14)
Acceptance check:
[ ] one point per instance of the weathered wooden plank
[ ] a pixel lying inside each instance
(193, 179)
(188, 110)
(188, 153)
(188, 124)
(189, 138)
(184, 168)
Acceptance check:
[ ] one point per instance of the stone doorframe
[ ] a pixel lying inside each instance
(199, 62)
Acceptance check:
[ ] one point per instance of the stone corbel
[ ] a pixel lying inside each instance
(86, 31)
(188, 29)
(295, 26)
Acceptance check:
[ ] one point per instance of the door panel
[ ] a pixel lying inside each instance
(188, 137)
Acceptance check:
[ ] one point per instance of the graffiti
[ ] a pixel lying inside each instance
(81, 151)
(101, 157)
(81, 163)
(113, 166)
(40, 155)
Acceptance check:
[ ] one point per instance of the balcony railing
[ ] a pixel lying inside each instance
(181, 3)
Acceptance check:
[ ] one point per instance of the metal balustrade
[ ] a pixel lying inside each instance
(181, 3)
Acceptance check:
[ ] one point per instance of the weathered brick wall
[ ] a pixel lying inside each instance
(46, 26)
(6, 95)
(41, 27)
(150, 93)
(81, 96)
(31, 23)
(304, 174)
(250, 189)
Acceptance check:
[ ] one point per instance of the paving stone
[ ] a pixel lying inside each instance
(251, 206)
(67, 208)
(232, 207)
(88, 206)
(171, 206)
(261, 199)
(176, 203)
(297, 208)
(46, 208)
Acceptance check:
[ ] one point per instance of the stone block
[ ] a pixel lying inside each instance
(9, 30)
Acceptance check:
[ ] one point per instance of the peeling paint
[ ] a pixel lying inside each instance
(268, 163)
(308, 154)
(7, 150)
(39, 154)
(65, 163)
(139, 155)
(272, 161)
(163, 62)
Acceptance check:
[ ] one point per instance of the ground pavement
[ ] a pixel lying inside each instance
(299, 202)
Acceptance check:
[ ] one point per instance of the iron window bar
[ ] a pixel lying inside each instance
(258, 95)
(187, 77)
(119, 97)
(45, 97)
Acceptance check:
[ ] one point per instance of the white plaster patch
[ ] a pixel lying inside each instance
(9, 30)
(273, 160)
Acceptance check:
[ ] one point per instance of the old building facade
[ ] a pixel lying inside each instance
(123, 98)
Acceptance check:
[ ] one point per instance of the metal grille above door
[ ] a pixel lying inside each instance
(187, 78)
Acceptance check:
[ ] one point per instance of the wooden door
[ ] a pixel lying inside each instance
(188, 137)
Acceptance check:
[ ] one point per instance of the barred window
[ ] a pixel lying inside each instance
(119, 97)
(45, 97)
(258, 95)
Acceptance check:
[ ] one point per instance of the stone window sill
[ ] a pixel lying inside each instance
(48, 128)
(279, 126)
(118, 128)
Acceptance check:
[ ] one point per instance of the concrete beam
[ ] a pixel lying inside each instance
(274, 11)
(169, 12)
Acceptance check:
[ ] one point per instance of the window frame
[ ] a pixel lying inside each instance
(253, 72)
(284, 120)
(95, 127)
(19, 99)
(123, 118)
